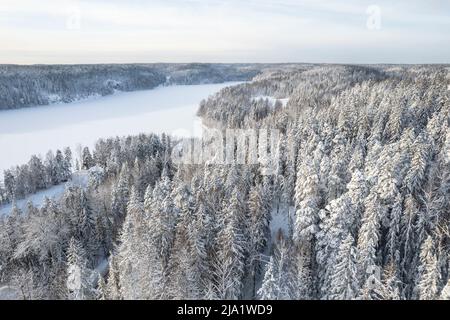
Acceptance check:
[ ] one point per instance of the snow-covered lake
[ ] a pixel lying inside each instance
(29, 131)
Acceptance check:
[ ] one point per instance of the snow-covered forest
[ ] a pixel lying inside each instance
(23, 86)
(358, 207)
(167, 109)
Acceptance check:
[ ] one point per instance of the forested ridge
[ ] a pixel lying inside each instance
(34, 85)
(359, 207)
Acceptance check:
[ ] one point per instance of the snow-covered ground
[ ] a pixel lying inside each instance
(79, 178)
(8, 293)
(29, 131)
(271, 100)
(280, 221)
(36, 198)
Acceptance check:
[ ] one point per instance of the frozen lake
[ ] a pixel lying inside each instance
(29, 131)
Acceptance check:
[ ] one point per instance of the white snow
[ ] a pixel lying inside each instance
(281, 220)
(272, 100)
(79, 178)
(101, 269)
(36, 198)
(8, 293)
(36, 130)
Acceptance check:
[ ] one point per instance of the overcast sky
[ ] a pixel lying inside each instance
(344, 31)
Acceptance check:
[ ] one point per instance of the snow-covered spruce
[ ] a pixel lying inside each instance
(358, 207)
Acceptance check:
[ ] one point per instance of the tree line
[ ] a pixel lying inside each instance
(25, 86)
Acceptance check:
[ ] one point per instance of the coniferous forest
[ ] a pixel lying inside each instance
(357, 205)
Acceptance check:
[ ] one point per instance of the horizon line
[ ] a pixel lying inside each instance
(225, 63)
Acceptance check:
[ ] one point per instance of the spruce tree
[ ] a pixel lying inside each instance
(344, 277)
(78, 274)
(429, 274)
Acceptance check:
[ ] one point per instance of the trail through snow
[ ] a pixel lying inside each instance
(79, 178)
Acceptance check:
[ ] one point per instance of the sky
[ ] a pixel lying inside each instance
(330, 31)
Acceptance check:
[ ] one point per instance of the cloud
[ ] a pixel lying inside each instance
(68, 31)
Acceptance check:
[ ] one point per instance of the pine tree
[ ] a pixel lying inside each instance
(409, 245)
(78, 274)
(373, 288)
(130, 248)
(162, 219)
(419, 163)
(357, 192)
(445, 293)
(101, 288)
(49, 164)
(344, 280)
(9, 182)
(184, 283)
(61, 168)
(390, 282)
(182, 278)
(86, 159)
(304, 289)
(368, 237)
(120, 196)
(202, 233)
(159, 237)
(86, 221)
(37, 170)
(232, 251)
(269, 289)
(336, 222)
(283, 278)
(306, 203)
(429, 275)
(258, 228)
(393, 236)
(68, 159)
(113, 288)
